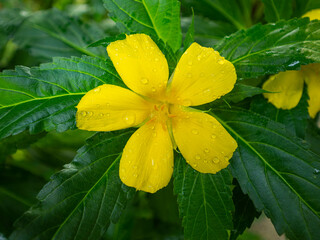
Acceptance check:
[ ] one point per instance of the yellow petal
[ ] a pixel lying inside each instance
(141, 65)
(312, 77)
(202, 140)
(147, 159)
(109, 107)
(313, 14)
(201, 76)
(287, 87)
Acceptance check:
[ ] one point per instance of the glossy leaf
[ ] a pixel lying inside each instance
(160, 18)
(271, 48)
(242, 91)
(276, 10)
(278, 172)
(80, 201)
(52, 33)
(302, 6)
(44, 98)
(205, 202)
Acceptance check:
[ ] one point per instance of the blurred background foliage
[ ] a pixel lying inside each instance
(34, 31)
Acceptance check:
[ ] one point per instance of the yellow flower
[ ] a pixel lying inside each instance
(288, 86)
(161, 109)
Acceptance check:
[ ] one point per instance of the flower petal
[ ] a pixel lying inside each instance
(109, 107)
(202, 140)
(201, 76)
(312, 77)
(147, 160)
(141, 64)
(313, 14)
(287, 87)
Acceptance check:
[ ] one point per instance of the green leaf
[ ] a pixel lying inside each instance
(302, 6)
(11, 144)
(276, 10)
(242, 91)
(271, 48)
(52, 33)
(189, 38)
(244, 213)
(225, 10)
(295, 119)
(207, 32)
(205, 202)
(106, 41)
(160, 18)
(44, 98)
(278, 172)
(80, 201)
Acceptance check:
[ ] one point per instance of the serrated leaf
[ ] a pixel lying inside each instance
(205, 202)
(44, 98)
(276, 10)
(294, 119)
(160, 18)
(52, 33)
(244, 213)
(278, 172)
(271, 48)
(81, 200)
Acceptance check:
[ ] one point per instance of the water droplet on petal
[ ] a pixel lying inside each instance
(207, 91)
(83, 113)
(216, 160)
(89, 114)
(226, 158)
(197, 157)
(154, 133)
(101, 114)
(213, 136)
(195, 131)
(153, 89)
(144, 81)
(221, 61)
(129, 118)
(195, 165)
(97, 89)
(206, 150)
(199, 57)
(156, 59)
(108, 114)
(135, 175)
(135, 167)
(205, 161)
(154, 70)
(190, 63)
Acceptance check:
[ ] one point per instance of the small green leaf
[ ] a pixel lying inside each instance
(205, 202)
(271, 48)
(81, 200)
(153, 17)
(278, 172)
(106, 41)
(276, 10)
(44, 98)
